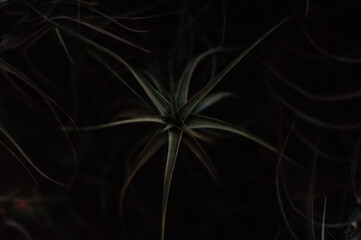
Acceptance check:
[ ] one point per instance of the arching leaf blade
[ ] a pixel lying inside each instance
(142, 119)
(157, 99)
(183, 86)
(194, 101)
(199, 121)
(27, 159)
(153, 145)
(212, 99)
(122, 80)
(197, 149)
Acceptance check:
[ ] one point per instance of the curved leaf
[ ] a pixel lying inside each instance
(195, 146)
(183, 87)
(153, 145)
(62, 43)
(158, 84)
(109, 68)
(12, 223)
(16, 72)
(212, 99)
(198, 121)
(194, 101)
(278, 190)
(157, 99)
(143, 119)
(27, 159)
(98, 29)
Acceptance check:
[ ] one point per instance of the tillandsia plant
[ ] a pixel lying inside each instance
(178, 119)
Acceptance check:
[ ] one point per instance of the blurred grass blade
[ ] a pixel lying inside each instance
(278, 190)
(68, 139)
(172, 93)
(157, 83)
(3, 3)
(323, 220)
(193, 102)
(143, 119)
(153, 145)
(20, 161)
(16, 72)
(198, 121)
(157, 99)
(212, 99)
(27, 159)
(12, 223)
(100, 30)
(307, 8)
(195, 146)
(110, 69)
(330, 98)
(195, 134)
(62, 43)
(174, 140)
(49, 101)
(183, 87)
(12, 42)
(113, 20)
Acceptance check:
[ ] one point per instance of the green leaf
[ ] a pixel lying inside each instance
(198, 122)
(212, 99)
(143, 119)
(183, 87)
(98, 29)
(172, 94)
(49, 101)
(195, 146)
(12, 223)
(110, 69)
(194, 101)
(278, 190)
(114, 20)
(153, 145)
(27, 159)
(3, 3)
(161, 104)
(16, 72)
(157, 99)
(157, 83)
(195, 134)
(62, 43)
(174, 139)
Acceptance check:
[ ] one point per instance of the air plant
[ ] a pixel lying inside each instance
(176, 115)
(177, 118)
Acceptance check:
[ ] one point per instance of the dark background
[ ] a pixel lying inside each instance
(305, 75)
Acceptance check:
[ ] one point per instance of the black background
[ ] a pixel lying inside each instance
(317, 53)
